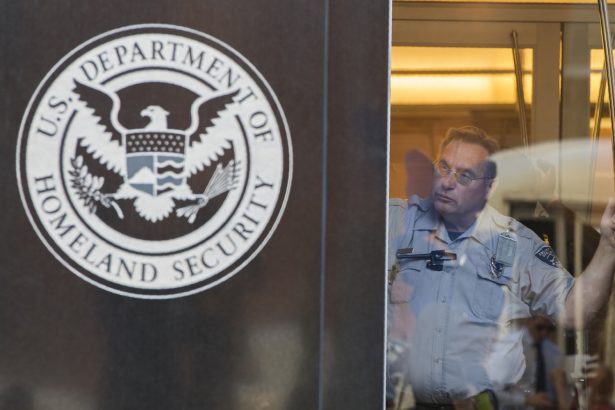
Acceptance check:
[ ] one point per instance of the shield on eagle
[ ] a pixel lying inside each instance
(155, 161)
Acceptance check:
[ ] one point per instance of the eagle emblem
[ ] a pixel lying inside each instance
(155, 161)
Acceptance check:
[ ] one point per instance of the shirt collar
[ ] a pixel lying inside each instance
(486, 229)
(489, 225)
(428, 219)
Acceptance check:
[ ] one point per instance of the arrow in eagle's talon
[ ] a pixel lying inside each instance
(191, 211)
(222, 180)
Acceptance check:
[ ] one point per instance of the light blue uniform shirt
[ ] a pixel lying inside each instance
(457, 325)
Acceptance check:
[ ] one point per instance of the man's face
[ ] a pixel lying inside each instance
(453, 200)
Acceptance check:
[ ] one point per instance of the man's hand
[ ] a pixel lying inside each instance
(592, 289)
(539, 401)
(607, 224)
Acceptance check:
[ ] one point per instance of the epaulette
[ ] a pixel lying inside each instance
(423, 203)
(398, 202)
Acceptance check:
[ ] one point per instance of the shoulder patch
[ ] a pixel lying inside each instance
(546, 255)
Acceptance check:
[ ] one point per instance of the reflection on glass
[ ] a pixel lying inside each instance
(481, 242)
(434, 88)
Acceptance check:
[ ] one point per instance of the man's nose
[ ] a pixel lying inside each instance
(449, 181)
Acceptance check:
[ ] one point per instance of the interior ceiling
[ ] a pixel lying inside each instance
(463, 75)
(458, 76)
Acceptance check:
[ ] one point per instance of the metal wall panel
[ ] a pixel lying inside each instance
(302, 325)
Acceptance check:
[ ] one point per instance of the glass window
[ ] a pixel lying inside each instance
(486, 248)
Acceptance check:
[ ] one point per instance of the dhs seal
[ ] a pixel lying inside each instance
(154, 161)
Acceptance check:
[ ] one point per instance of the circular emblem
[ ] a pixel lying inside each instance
(154, 161)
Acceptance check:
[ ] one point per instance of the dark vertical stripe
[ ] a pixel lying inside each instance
(323, 221)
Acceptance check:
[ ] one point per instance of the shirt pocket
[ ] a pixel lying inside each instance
(489, 292)
(403, 288)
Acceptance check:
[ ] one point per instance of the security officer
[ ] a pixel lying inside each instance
(462, 276)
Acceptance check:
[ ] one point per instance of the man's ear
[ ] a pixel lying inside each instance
(491, 185)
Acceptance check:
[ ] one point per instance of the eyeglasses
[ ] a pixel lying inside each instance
(464, 178)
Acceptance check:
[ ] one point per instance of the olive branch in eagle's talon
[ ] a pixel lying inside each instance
(88, 188)
(223, 179)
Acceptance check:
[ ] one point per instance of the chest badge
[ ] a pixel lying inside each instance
(504, 254)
